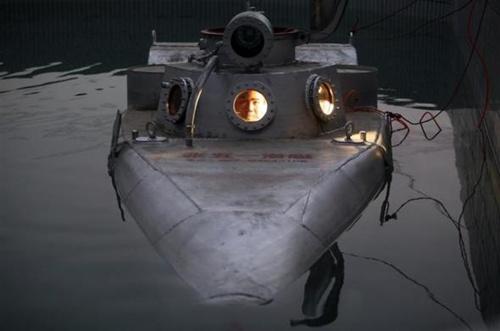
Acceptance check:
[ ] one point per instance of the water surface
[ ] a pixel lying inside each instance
(69, 263)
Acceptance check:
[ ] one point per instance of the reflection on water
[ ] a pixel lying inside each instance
(328, 269)
(116, 33)
(68, 263)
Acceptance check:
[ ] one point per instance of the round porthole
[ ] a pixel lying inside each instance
(175, 98)
(248, 38)
(321, 97)
(250, 106)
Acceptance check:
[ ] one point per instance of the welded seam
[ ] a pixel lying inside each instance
(141, 179)
(354, 217)
(320, 241)
(339, 168)
(172, 228)
(305, 207)
(263, 301)
(287, 209)
(168, 177)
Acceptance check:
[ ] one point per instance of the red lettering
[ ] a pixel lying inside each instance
(300, 156)
(273, 156)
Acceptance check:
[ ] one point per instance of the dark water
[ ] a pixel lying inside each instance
(67, 262)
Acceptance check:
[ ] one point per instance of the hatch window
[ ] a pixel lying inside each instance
(250, 105)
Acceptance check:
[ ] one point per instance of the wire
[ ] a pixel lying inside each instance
(430, 294)
(355, 29)
(385, 217)
(432, 21)
(456, 222)
(487, 83)
(394, 117)
(383, 19)
(493, 9)
(473, 44)
(443, 207)
(423, 120)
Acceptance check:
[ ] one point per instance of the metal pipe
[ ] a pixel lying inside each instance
(193, 101)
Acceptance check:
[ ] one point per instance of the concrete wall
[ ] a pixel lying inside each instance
(483, 212)
(489, 45)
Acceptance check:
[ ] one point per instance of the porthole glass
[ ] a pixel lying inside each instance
(321, 98)
(250, 105)
(174, 100)
(326, 98)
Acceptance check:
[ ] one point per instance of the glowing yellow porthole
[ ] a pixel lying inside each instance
(326, 98)
(250, 105)
(321, 98)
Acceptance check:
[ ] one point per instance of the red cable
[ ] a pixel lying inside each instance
(473, 44)
(486, 74)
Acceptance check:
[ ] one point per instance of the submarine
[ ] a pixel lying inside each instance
(245, 156)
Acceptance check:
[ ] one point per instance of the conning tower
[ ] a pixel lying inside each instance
(245, 83)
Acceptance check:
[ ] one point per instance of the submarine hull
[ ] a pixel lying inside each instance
(242, 219)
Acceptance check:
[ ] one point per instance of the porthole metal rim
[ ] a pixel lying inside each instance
(312, 101)
(251, 126)
(186, 85)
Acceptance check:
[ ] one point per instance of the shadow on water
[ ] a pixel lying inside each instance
(330, 267)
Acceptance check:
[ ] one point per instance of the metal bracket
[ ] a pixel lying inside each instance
(151, 137)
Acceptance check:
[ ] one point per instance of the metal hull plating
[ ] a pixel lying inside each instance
(257, 174)
(241, 219)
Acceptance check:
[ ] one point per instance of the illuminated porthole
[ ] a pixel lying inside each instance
(250, 106)
(321, 97)
(175, 98)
